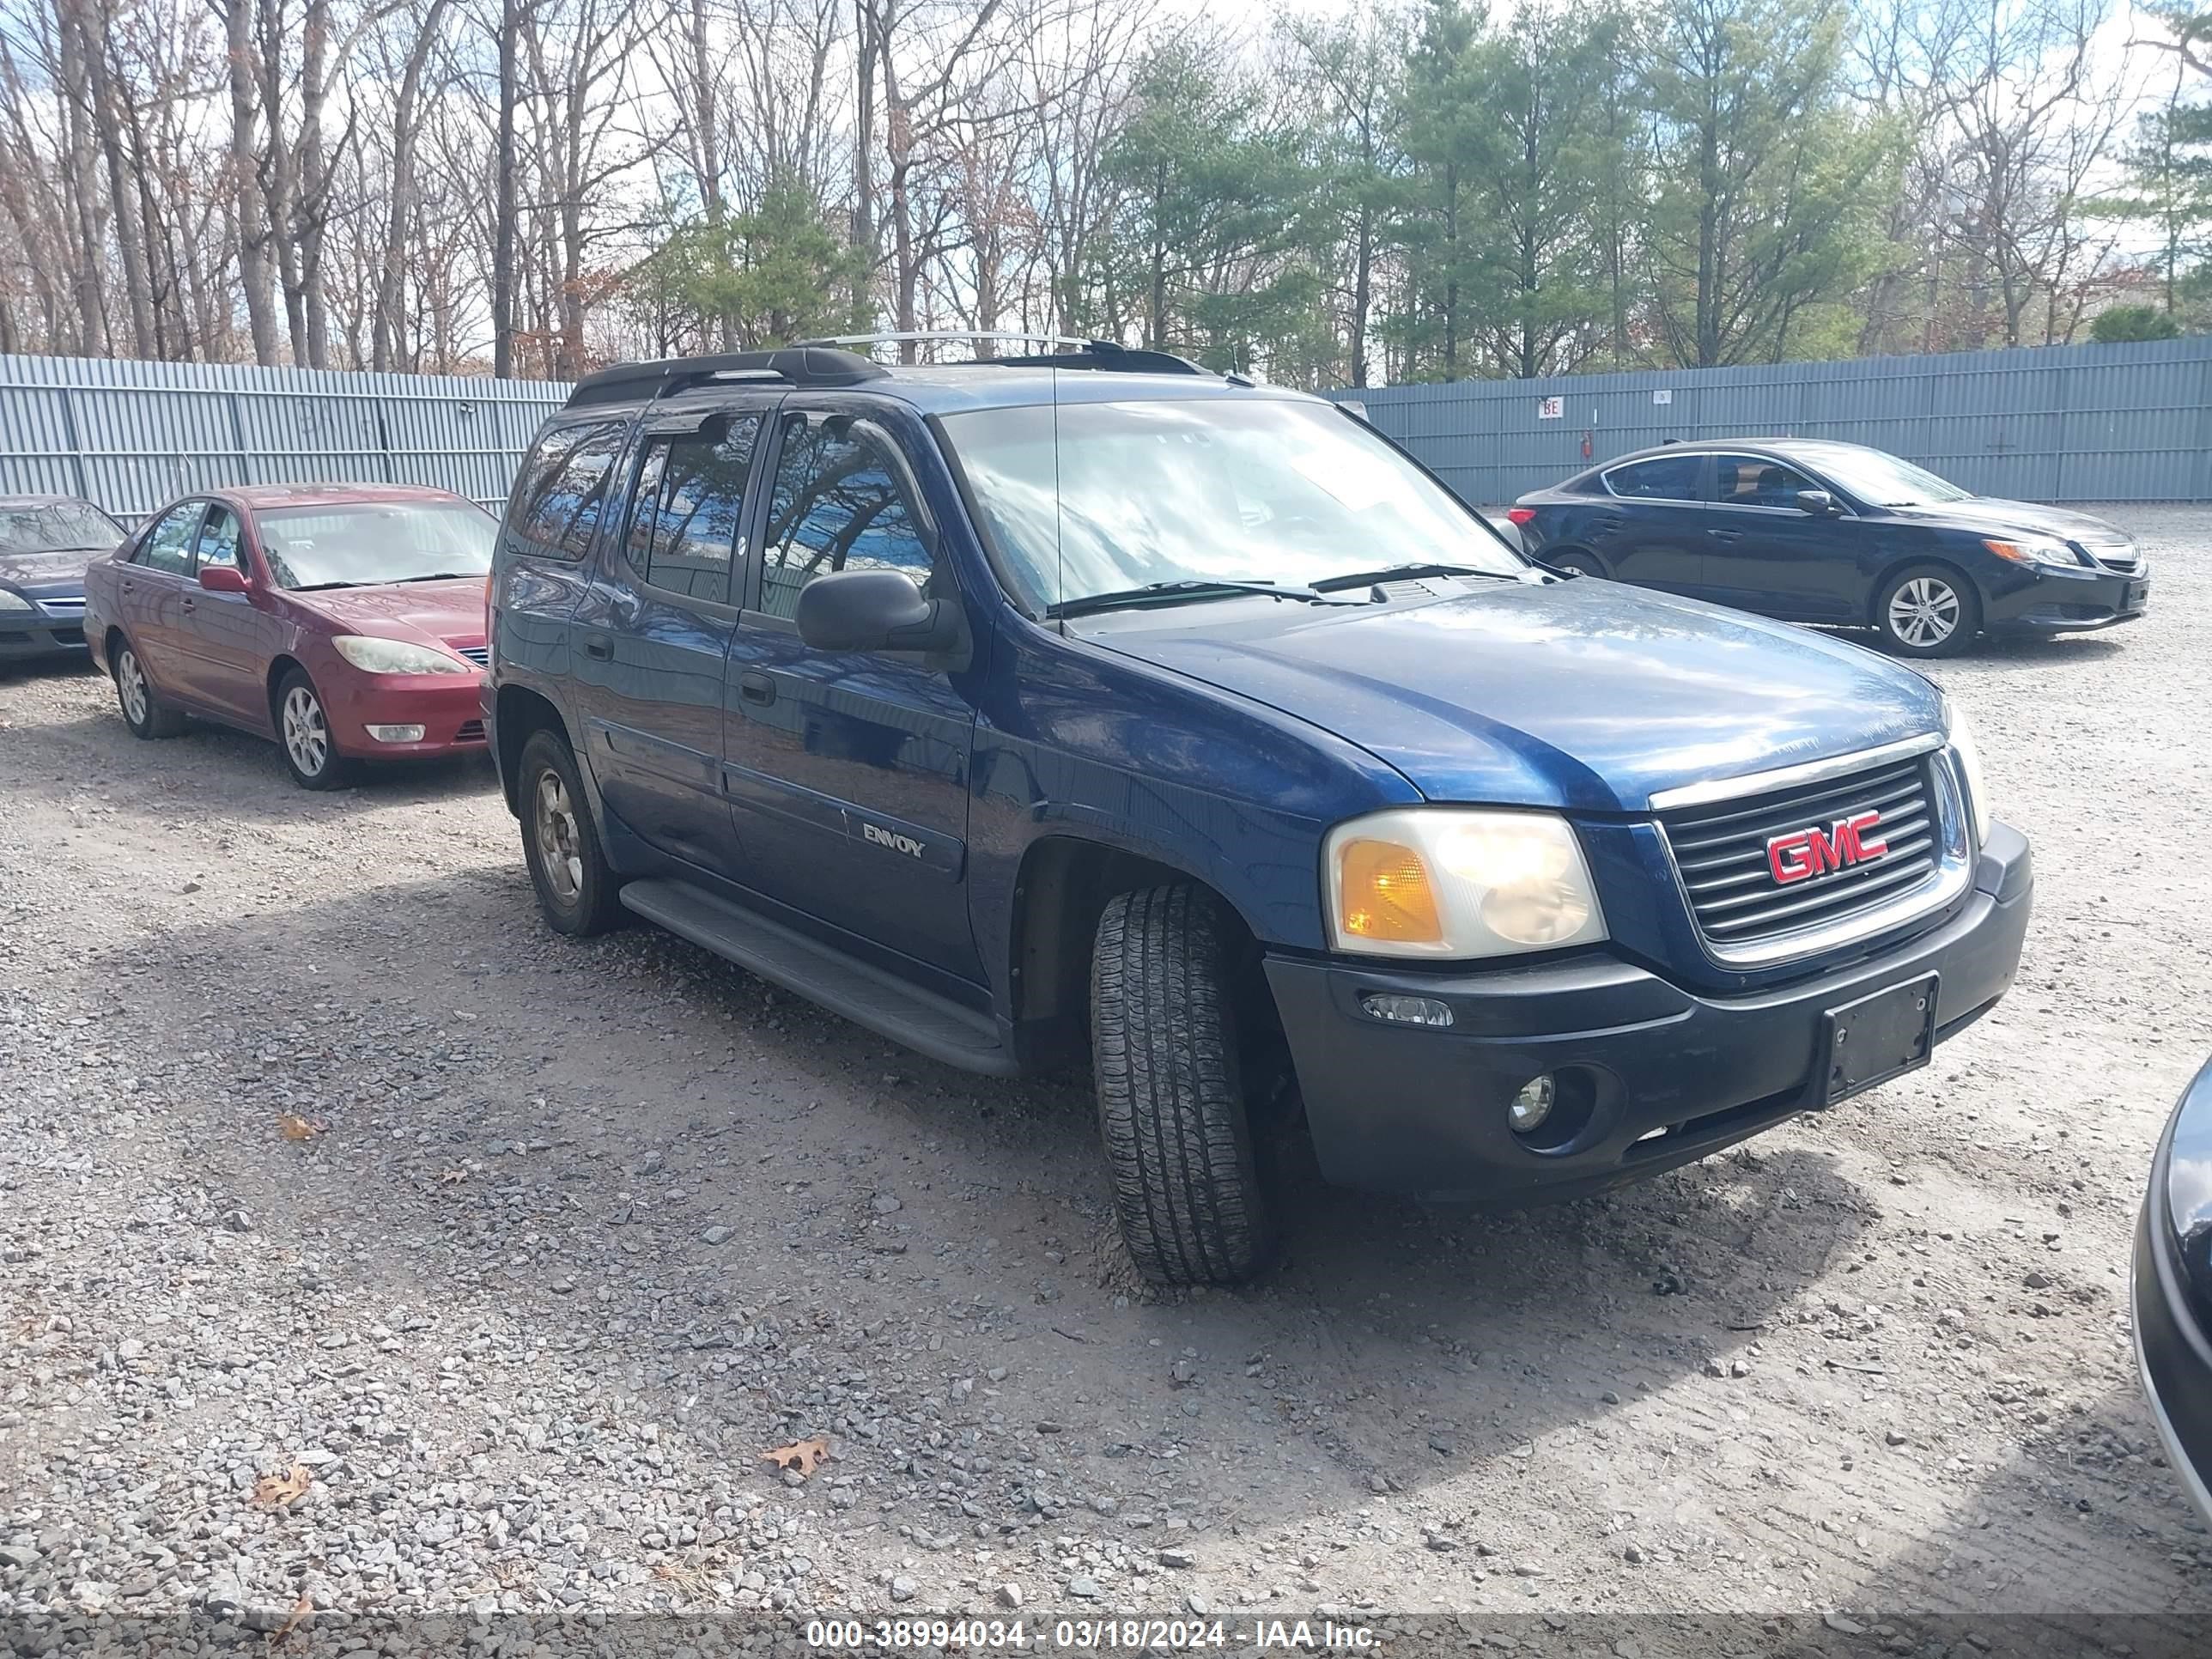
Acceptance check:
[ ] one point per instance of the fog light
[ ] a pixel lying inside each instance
(396, 733)
(1532, 1105)
(1405, 1010)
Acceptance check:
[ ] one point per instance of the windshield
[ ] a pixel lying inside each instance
(1208, 490)
(376, 542)
(1882, 480)
(56, 527)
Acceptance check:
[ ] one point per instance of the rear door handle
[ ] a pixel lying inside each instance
(757, 688)
(600, 647)
(1725, 535)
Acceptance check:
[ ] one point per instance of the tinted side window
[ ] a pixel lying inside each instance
(169, 546)
(218, 543)
(1753, 480)
(687, 508)
(840, 503)
(1666, 478)
(562, 490)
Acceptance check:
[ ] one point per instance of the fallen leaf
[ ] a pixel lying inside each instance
(277, 1491)
(292, 1126)
(302, 1610)
(800, 1454)
(448, 1177)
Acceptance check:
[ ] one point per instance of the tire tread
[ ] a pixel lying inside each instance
(1170, 1095)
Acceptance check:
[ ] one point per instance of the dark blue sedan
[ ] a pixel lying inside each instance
(45, 542)
(1815, 532)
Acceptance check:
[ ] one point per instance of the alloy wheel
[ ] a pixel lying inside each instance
(1924, 612)
(559, 844)
(307, 738)
(131, 686)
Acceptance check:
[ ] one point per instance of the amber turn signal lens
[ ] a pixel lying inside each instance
(1386, 893)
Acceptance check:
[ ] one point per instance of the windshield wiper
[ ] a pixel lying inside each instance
(1179, 592)
(321, 588)
(1402, 572)
(440, 576)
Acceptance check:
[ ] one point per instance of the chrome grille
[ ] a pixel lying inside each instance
(478, 654)
(55, 605)
(469, 732)
(1721, 851)
(2124, 558)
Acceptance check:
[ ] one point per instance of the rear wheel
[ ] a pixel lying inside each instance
(1927, 611)
(1171, 1105)
(143, 711)
(303, 733)
(1575, 564)
(576, 887)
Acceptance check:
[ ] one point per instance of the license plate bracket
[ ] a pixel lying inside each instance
(1878, 1037)
(2135, 596)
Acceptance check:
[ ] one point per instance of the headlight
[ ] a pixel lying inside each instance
(11, 600)
(1969, 757)
(375, 656)
(1452, 882)
(2036, 550)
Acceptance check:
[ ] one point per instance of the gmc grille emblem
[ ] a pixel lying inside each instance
(1802, 854)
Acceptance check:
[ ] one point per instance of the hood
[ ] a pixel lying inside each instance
(1992, 513)
(1578, 695)
(447, 612)
(63, 569)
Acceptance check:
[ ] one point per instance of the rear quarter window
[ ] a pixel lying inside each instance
(561, 493)
(1667, 478)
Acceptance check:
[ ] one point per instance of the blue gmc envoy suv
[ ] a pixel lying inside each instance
(1083, 702)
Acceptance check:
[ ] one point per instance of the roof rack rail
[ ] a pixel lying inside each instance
(807, 365)
(1106, 355)
(925, 335)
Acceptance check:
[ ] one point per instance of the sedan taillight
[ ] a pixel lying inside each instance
(1521, 514)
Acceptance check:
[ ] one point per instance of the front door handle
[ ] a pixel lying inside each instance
(757, 688)
(600, 647)
(1725, 535)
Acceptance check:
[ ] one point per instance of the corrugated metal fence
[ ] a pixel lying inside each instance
(2051, 423)
(130, 435)
(2054, 423)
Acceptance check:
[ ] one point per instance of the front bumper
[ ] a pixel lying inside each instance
(445, 706)
(25, 634)
(2172, 1325)
(1403, 1108)
(2068, 604)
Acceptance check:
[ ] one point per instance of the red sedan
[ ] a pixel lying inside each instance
(344, 621)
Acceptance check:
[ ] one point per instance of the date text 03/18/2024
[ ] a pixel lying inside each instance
(1133, 1635)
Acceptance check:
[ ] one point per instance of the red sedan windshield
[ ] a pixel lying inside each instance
(367, 544)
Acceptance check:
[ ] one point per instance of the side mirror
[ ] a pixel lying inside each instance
(1819, 502)
(222, 579)
(876, 610)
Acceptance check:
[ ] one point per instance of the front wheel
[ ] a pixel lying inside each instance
(1163, 1042)
(576, 886)
(1573, 564)
(1927, 611)
(303, 732)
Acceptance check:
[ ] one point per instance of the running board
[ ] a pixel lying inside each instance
(859, 991)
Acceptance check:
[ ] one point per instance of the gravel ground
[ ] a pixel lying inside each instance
(578, 1232)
